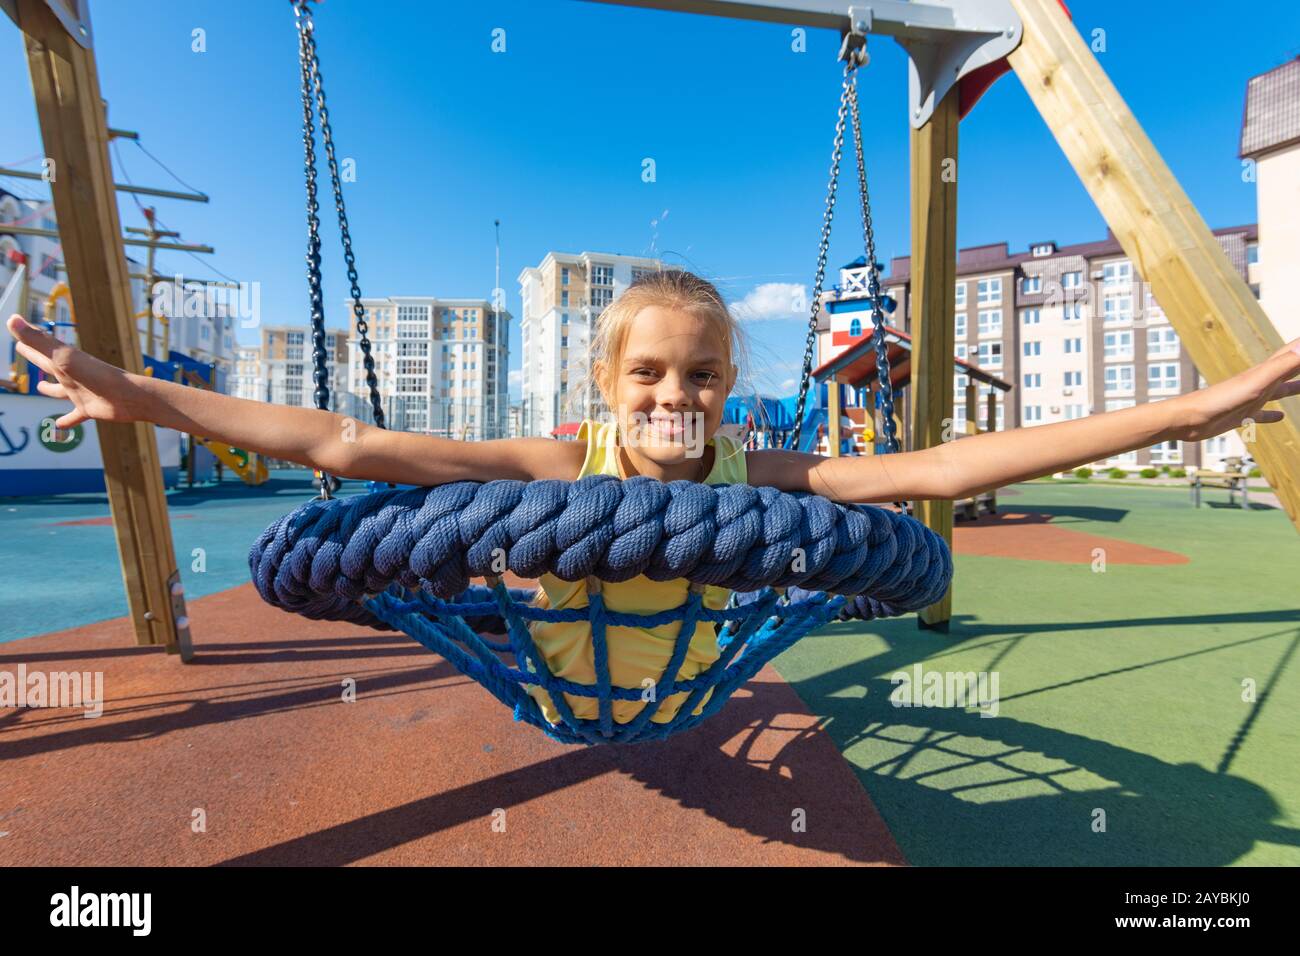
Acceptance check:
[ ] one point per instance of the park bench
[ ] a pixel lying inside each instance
(1233, 478)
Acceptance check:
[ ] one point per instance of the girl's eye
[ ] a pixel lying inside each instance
(705, 378)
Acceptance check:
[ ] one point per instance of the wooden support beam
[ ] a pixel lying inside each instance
(972, 408)
(833, 416)
(71, 113)
(934, 281)
(1218, 319)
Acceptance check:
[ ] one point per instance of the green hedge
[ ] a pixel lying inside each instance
(1083, 472)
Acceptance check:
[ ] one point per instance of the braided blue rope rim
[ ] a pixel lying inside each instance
(752, 634)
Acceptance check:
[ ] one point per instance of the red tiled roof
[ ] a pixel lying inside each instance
(566, 428)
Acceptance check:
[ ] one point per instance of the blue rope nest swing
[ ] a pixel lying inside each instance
(403, 559)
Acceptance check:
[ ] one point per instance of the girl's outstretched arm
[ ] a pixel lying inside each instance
(984, 462)
(979, 463)
(324, 440)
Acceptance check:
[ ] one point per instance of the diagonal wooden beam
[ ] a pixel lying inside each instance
(70, 108)
(1217, 317)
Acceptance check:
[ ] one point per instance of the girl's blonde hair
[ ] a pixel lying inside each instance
(670, 289)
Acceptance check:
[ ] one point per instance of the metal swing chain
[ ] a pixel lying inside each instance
(883, 372)
(320, 376)
(358, 311)
(873, 285)
(822, 248)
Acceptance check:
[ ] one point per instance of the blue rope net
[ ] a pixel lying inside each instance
(404, 559)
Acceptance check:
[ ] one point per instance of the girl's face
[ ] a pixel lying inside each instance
(668, 391)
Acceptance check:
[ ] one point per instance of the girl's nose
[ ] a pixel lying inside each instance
(671, 391)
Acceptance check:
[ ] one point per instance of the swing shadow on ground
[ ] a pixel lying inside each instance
(932, 771)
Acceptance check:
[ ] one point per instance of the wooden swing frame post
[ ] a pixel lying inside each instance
(74, 130)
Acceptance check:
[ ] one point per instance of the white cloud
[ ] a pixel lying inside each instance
(789, 383)
(515, 377)
(772, 300)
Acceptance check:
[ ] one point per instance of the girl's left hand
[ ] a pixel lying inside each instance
(1229, 404)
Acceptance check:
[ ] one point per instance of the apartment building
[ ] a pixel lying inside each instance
(1074, 327)
(442, 364)
(247, 381)
(285, 367)
(1270, 143)
(562, 298)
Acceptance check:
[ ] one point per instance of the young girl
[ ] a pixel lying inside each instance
(663, 359)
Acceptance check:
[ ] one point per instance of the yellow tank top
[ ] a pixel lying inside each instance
(635, 653)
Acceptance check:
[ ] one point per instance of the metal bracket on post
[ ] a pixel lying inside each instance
(953, 39)
(184, 643)
(73, 15)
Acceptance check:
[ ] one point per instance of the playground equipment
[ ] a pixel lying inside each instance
(403, 559)
(956, 49)
(250, 466)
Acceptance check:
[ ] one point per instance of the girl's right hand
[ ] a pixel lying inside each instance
(96, 389)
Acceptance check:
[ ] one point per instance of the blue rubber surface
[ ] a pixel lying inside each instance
(59, 575)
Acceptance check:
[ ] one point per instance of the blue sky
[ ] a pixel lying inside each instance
(550, 135)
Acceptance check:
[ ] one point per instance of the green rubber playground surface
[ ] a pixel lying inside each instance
(1119, 697)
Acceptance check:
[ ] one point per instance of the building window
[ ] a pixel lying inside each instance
(1033, 380)
(1033, 348)
(990, 291)
(1118, 345)
(961, 295)
(564, 297)
(1162, 377)
(1115, 404)
(1073, 378)
(1162, 343)
(1074, 346)
(1117, 309)
(1119, 379)
(1031, 284)
(1033, 413)
(1071, 280)
(564, 276)
(1117, 275)
(1073, 312)
(1167, 453)
(1031, 316)
(961, 325)
(1252, 253)
(855, 328)
(990, 354)
(990, 322)
(1073, 411)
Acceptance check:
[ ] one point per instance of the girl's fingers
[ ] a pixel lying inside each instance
(39, 359)
(29, 334)
(52, 389)
(1285, 389)
(72, 419)
(1267, 417)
